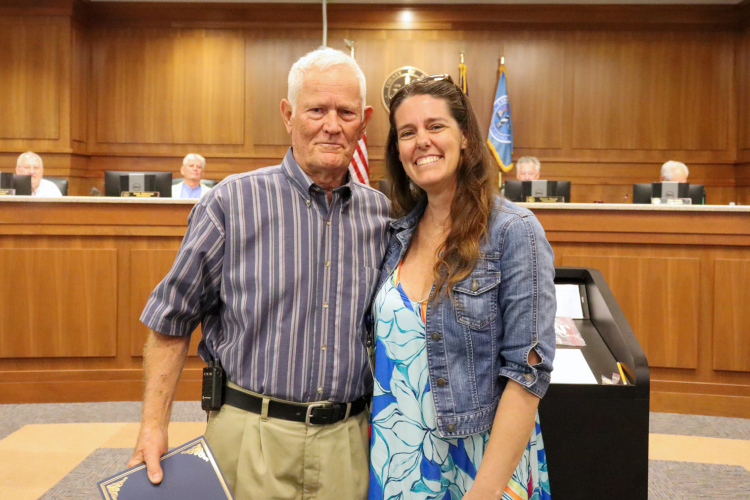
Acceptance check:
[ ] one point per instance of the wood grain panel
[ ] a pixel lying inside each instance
(147, 269)
(80, 71)
(731, 315)
(742, 65)
(537, 89)
(269, 59)
(58, 303)
(635, 91)
(169, 87)
(29, 80)
(659, 297)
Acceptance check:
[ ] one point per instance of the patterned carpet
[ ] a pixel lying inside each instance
(695, 457)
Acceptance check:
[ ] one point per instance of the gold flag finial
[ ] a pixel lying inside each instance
(350, 45)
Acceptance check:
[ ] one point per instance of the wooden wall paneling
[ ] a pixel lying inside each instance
(659, 297)
(58, 302)
(742, 69)
(731, 349)
(32, 81)
(147, 268)
(80, 72)
(270, 57)
(174, 87)
(652, 91)
(536, 68)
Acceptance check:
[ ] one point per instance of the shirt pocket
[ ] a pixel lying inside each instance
(476, 299)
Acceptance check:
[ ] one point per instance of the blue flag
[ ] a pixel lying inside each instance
(500, 139)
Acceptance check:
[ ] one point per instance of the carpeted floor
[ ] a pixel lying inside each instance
(693, 457)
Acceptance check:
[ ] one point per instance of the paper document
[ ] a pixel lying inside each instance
(570, 367)
(568, 301)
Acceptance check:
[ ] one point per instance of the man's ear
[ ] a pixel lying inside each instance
(286, 115)
(367, 117)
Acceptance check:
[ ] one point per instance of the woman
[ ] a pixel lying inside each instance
(463, 316)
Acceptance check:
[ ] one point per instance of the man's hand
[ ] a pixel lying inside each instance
(163, 359)
(151, 445)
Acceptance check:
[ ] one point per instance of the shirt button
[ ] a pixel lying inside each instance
(325, 305)
(328, 223)
(450, 427)
(328, 263)
(323, 347)
(435, 336)
(441, 382)
(474, 286)
(320, 390)
(308, 202)
(529, 377)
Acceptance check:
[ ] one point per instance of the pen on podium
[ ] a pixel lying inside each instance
(622, 373)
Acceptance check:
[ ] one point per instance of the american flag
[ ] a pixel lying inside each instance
(359, 169)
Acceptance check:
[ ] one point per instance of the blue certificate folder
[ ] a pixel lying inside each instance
(190, 473)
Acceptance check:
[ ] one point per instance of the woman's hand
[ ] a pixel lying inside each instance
(477, 493)
(510, 434)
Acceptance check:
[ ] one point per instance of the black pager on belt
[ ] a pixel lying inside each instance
(213, 386)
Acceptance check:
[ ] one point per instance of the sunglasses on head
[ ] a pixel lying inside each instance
(436, 78)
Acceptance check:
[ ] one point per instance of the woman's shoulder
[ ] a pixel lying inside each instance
(505, 210)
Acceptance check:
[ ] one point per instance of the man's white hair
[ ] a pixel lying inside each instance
(194, 156)
(322, 60)
(28, 155)
(530, 159)
(671, 166)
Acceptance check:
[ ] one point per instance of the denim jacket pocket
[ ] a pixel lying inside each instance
(476, 299)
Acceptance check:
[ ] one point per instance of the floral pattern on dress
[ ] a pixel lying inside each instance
(409, 460)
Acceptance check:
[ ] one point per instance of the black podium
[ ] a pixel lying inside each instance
(596, 436)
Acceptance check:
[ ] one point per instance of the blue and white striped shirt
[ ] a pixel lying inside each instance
(280, 280)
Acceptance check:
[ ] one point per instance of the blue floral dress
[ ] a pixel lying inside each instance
(409, 460)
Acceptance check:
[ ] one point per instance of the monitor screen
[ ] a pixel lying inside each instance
(115, 183)
(697, 194)
(21, 183)
(670, 189)
(642, 193)
(518, 191)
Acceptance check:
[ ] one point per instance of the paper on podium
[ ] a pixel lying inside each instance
(190, 473)
(570, 367)
(568, 301)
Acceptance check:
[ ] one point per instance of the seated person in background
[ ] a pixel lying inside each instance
(527, 169)
(192, 170)
(674, 171)
(31, 164)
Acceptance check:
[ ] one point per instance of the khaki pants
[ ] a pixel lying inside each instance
(272, 459)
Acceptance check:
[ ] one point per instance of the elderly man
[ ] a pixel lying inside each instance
(674, 171)
(527, 169)
(193, 166)
(279, 266)
(31, 164)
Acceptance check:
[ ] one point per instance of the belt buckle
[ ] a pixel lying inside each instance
(309, 412)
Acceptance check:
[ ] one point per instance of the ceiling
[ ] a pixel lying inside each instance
(416, 2)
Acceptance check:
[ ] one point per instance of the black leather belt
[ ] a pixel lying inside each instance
(311, 414)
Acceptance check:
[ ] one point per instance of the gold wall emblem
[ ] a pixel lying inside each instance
(114, 488)
(399, 78)
(198, 451)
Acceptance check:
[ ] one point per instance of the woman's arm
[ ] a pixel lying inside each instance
(511, 431)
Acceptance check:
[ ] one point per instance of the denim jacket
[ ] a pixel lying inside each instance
(502, 310)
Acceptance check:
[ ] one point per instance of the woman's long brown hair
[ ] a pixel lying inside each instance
(476, 185)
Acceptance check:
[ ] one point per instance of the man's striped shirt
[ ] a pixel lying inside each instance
(280, 280)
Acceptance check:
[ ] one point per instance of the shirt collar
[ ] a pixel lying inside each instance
(412, 217)
(305, 185)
